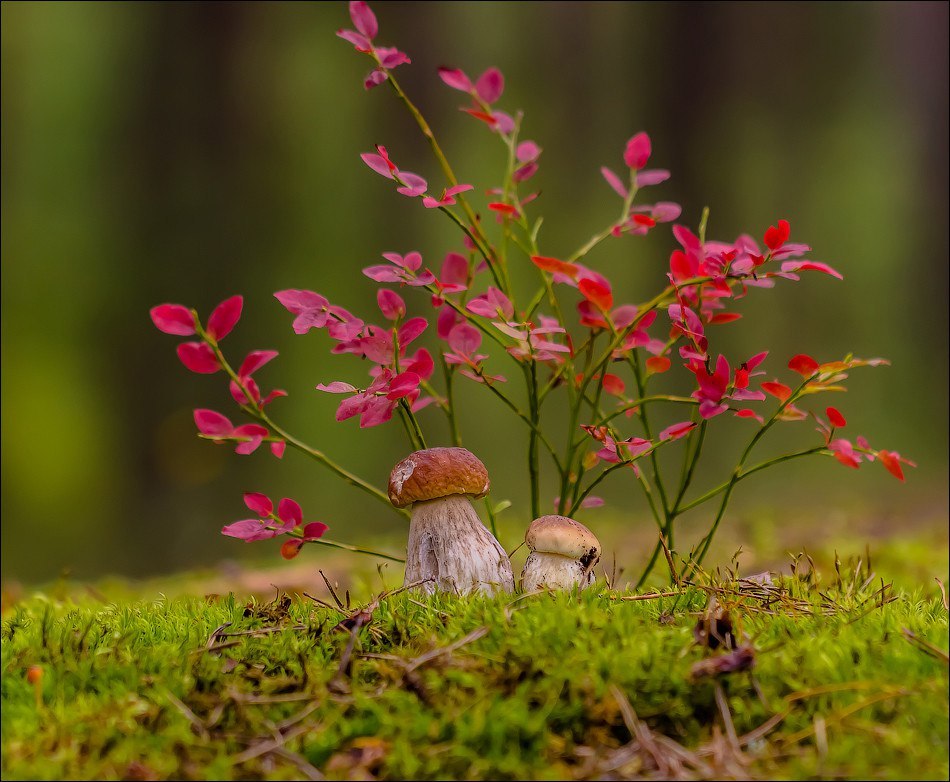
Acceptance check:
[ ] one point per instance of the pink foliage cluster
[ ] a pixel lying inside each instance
(471, 302)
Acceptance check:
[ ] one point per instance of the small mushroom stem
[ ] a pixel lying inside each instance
(449, 545)
(544, 570)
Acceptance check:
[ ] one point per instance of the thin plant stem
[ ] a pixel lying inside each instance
(450, 406)
(313, 453)
(533, 467)
(531, 424)
(356, 549)
(704, 545)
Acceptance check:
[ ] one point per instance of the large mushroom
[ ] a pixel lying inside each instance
(563, 553)
(449, 548)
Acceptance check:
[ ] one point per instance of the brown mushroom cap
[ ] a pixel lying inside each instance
(435, 473)
(564, 536)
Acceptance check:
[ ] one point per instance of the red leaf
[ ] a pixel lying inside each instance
(291, 548)
(597, 294)
(198, 357)
(456, 79)
(173, 319)
(288, 511)
(314, 530)
(213, 423)
(775, 237)
(676, 431)
(506, 209)
(804, 365)
(891, 462)
(486, 118)
(723, 317)
(259, 503)
(225, 316)
(637, 152)
(835, 417)
(613, 385)
(555, 266)
(776, 389)
(254, 361)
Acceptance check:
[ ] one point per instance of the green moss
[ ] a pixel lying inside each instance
(149, 690)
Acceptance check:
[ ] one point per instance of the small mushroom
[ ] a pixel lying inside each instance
(563, 553)
(449, 547)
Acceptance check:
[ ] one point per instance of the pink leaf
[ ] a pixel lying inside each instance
(527, 151)
(364, 20)
(248, 530)
(336, 387)
(374, 78)
(390, 304)
(411, 329)
(198, 357)
(259, 503)
(653, 176)
(173, 319)
(379, 164)
(297, 301)
(464, 339)
(213, 423)
(352, 405)
(637, 152)
(815, 266)
(314, 530)
(490, 85)
(403, 385)
(289, 512)
(614, 181)
(225, 316)
(676, 431)
(414, 185)
(422, 364)
(454, 270)
(456, 79)
(254, 361)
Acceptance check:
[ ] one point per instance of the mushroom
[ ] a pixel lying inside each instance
(449, 547)
(563, 553)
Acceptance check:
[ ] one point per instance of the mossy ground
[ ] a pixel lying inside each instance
(849, 681)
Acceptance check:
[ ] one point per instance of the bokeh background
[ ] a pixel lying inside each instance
(185, 152)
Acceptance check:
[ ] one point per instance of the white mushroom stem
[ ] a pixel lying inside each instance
(544, 570)
(449, 545)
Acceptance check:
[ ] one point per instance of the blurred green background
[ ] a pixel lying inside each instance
(185, 152)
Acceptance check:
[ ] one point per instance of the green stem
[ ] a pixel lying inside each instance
(357, 549)
(313, 453)
(449, 173)
(751, 471)
(533, 467)
(450, 406)
(414, 425)
(737, 476)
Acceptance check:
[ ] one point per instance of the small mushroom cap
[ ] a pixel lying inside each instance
(564, 536)
(435, 473)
